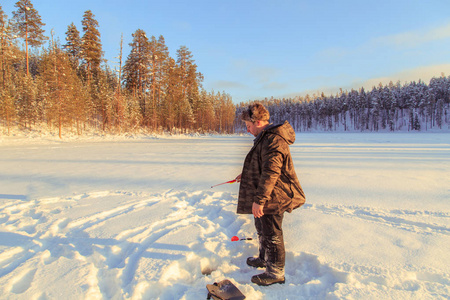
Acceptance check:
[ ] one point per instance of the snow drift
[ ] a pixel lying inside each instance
(135, 218)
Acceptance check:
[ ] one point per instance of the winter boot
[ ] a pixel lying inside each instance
(256, 262)
(266, 279)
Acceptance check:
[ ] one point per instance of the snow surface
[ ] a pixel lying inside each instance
(135, 218)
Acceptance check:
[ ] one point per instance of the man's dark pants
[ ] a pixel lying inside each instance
(271, 243)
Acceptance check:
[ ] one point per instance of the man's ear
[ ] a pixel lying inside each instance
(258, 123)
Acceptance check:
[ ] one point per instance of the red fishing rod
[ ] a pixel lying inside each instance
(231, 181)
(235, 239)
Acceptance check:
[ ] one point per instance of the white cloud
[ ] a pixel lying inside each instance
(413, 38)
(227, 84)
(275, 86)
(424, 73)
(409, 39)
(255, 72)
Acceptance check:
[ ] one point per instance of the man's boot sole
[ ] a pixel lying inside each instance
(260, 283)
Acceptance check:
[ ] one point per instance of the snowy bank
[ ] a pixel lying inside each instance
(135, 218)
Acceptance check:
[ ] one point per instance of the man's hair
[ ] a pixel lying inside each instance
(255, 112)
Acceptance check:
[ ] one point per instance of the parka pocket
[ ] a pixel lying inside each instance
(285, 184)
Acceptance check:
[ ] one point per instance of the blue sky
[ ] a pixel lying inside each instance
(257, 49)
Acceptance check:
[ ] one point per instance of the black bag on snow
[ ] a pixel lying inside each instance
(224, 290)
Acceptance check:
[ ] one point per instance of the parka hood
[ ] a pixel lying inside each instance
(284, 130)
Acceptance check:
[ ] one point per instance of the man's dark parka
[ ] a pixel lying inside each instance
(268, 175)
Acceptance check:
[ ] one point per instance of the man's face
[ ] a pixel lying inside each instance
(252, 128)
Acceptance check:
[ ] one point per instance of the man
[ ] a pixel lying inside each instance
(269, 187)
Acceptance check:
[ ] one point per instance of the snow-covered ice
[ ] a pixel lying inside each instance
(135, 218)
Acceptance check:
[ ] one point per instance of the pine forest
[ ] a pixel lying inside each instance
(413, 106)
(70, 88)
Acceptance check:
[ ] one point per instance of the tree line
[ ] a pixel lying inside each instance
(71, 87)
(414, 106)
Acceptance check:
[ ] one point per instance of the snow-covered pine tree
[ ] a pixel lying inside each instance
(136, 72)
(28, 25)
(190, 81)
(91, 47)
(159, 55)
(73, 46)
(7, 86)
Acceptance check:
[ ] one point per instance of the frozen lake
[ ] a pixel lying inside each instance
(135, 218)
